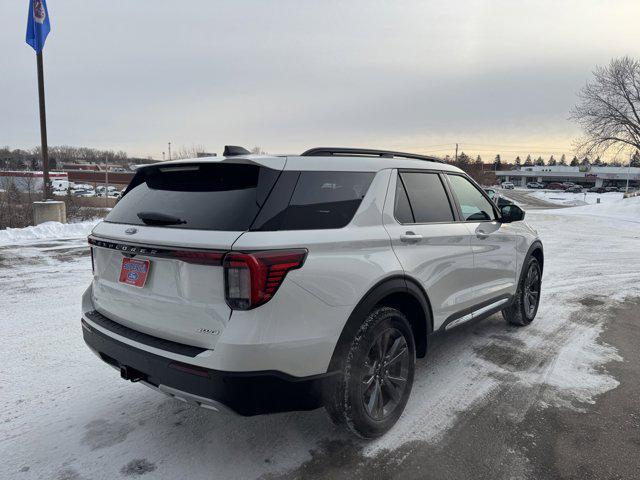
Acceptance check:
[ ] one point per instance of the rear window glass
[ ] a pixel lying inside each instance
(427, 197)
(319, 200)
(203, 196)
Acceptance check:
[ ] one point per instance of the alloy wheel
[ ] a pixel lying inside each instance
(532, 290)
(385, 373)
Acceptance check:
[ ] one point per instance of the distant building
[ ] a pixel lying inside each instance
(205, 154)
(32, 181)
(586, 175)
(81, 166)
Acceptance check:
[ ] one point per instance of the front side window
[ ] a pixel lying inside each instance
(421, 198)
(474, 205)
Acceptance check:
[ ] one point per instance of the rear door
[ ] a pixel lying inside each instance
(431, 246)
(493, 242)
(175, 221)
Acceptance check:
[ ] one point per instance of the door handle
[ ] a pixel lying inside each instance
(481, 234)
(410, 237)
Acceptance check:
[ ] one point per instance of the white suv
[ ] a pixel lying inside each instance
(259, 284)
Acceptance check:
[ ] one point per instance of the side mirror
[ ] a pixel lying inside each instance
(511, 213)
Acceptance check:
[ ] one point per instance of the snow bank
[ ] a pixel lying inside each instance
(574, 199)
(47, 230)
(627, 209)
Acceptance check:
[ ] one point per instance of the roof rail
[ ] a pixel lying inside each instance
(362, 152)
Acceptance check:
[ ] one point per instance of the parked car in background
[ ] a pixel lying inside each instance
(624, 189)
(596, 190)
(556, 186)
(508, 185)
(498, 199)
(610, 189)
(575, 189)
(84, 193)
(263, 284)
(534, 185)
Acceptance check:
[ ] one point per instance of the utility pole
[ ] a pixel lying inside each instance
(456, 153)
(626, 190)
(169, 150)
(106, 181)
(163, 156)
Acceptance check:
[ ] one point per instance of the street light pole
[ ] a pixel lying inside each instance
(106, 181)
(626, 190)
(169, 150)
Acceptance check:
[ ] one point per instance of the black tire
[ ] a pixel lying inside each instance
(525, 305)
(377, 373)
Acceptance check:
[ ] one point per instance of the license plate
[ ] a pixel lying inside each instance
(134, 272)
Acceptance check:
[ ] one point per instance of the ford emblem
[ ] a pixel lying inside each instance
(131, 231)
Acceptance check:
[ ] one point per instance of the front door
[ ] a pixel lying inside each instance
(431, 246)
(493, 243)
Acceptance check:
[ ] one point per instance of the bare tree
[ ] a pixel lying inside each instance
(257, 150)
(609, 108)
(188, 152)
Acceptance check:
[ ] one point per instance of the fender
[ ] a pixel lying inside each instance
(381, 290)
(536, 245)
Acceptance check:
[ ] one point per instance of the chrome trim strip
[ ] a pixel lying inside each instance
(475, 313)
(133, 249)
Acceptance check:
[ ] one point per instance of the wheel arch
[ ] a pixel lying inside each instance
(399, 292)
(537, 251)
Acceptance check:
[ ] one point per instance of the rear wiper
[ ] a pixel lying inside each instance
(156, 218)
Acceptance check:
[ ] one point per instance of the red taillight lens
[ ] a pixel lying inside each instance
(252, 279)
(198, 257)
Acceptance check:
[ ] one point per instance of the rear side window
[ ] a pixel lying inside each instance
(314, 200)
(421, 198)
(205, 196)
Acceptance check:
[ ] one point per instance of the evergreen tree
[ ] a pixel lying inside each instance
(597, 161)
(563, 159)
(539, 162)
(635, 160)
(463, 161)
(497, 163)
(575, 162)
(518, 162)
(528, 161)
(552, 161)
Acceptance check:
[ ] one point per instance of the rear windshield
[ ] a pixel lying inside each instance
(206, 196)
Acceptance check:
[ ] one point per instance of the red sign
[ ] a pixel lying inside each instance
(134, 272)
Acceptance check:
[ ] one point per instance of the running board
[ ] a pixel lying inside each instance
(476, 313)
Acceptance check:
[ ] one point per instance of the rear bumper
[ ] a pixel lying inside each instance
(245, 393)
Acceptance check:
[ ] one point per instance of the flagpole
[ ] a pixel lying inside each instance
(43, 128)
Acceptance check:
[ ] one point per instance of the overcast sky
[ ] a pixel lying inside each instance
(494, 75)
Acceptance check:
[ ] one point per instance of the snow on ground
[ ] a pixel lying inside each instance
(44, 231)
(65, 414)
(574, 199)
(624, 209)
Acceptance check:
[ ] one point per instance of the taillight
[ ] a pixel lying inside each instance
(198, 257)
(252, 279)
